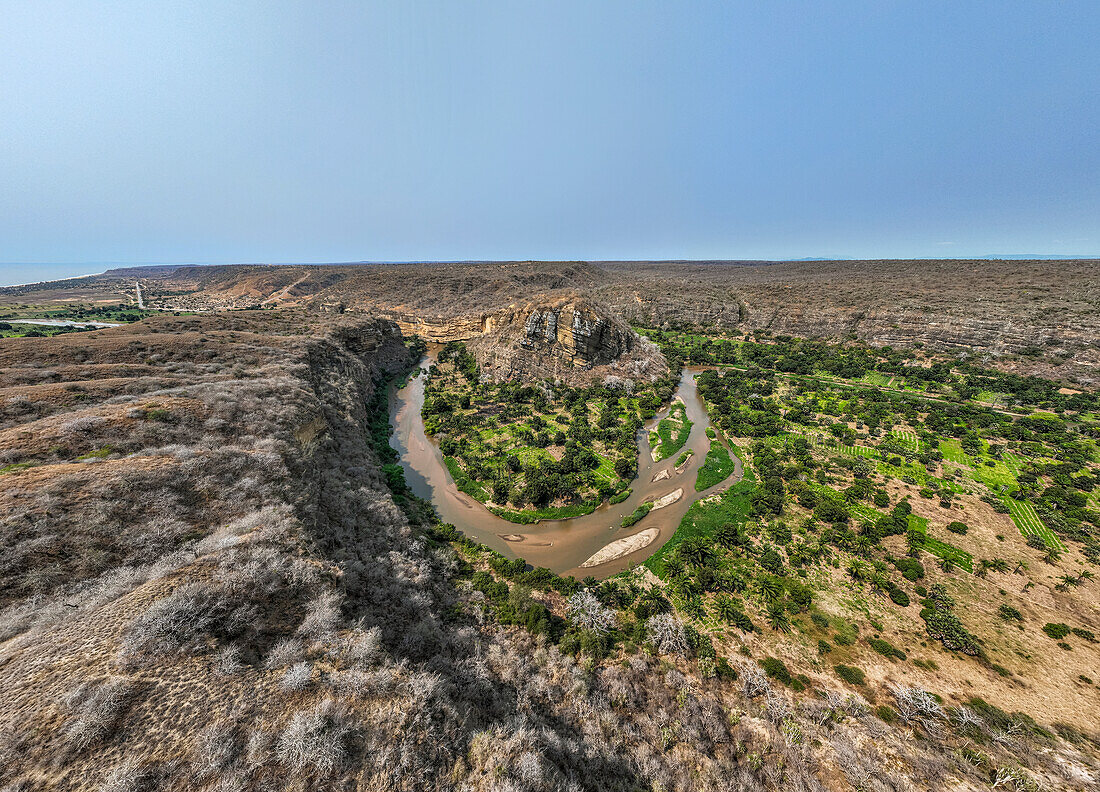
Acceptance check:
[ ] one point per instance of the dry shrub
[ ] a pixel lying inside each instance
(316, 740)
(216, 748)
(96, 709)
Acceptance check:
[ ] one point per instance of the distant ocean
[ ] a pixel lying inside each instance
(18, 274)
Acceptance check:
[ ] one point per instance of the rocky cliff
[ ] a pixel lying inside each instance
(569, 339)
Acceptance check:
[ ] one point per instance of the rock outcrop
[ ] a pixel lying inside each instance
(568, 339)
(579, 332)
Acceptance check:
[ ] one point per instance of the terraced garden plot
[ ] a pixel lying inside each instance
(1027, 520)
(907, 438)
(998, 478)
(877, 379)
(863, 451)
(1013, 462)
(865, 514)
(916, 472)
(939, 548)
(961, 558)
(952, 451)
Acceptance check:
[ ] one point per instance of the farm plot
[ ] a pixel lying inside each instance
(1027, 520)
(998, 476)
(952, 451)
(907, 438)
(939, 548)
(877, 379)
(863, 451)
(959, 557)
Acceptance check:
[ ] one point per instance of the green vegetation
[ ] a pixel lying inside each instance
(886, 649)
(636, 515)
(1056, 631)
(716, 468)
(619, 497)
(536, 452)
(850, 674)
(834, 431)
(671, 434)
(775, 669)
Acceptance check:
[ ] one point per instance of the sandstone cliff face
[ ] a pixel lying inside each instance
(567, 339)
(576, 331)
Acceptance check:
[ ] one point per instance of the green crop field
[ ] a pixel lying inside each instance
(962, 559)
(953, 452)
(999, 477)
(940, 548)
(863, 451)
(875, 378)
(907, 438)
(1027, 520)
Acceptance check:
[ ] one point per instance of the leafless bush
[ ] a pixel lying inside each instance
(96, 709)
(363, 647)
(286, 652)
(586, 611)
(316, 740)
(228, 661)
(259, 748)
(353, 683)
(84, 425)
(965, 717)
(861, 766)
(917, 706)
(178, 621)
(1015, 779)
(130, 776)
(776, 706)
(322, 616)
(667, 633)
(753, 681)
(215, 749)
(297, 677)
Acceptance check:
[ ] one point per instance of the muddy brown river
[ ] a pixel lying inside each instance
(563, 545)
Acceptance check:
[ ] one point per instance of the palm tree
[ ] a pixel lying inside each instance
(857, 570)
(947, 564)
(770, 588)
(777, 618)
(725, 608)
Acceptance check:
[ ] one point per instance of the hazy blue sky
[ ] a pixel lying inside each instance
(326, 131)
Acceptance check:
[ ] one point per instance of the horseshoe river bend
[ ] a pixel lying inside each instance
(592, 544)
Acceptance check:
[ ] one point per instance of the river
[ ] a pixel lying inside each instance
(560, 545)
(62, 323)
